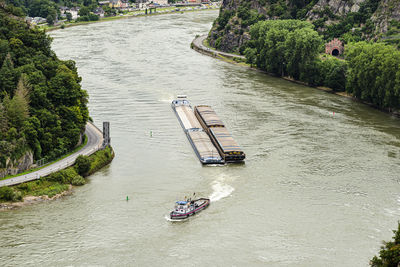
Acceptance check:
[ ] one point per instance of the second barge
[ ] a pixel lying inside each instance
(222, 139)
(198, 138)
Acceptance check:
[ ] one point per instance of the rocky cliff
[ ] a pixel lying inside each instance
(337, 7)
(17, 166)
(352, 20)
(387, 17)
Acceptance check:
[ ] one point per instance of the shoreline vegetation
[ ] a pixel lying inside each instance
(55, 185)
(236, 59)
(79, 147)
(165, 11)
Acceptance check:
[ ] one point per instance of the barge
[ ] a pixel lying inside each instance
(198, 138)
(220, 136)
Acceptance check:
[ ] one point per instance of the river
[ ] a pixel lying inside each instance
(320, 186)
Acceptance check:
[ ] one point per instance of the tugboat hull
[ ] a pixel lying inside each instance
(202, 203)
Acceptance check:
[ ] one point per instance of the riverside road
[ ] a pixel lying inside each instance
(199, 43)
(94, 143)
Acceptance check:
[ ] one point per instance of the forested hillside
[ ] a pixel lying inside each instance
(45, 8)
(348, 20)
(287, 37)
(42, 106)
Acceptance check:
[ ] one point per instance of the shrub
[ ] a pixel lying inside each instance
(67, 176)
(52, 190)
(100, 159)
(17, 196)
(78, 180)
(333, 71)
(24, 187)
(82, 165)
(7, 193)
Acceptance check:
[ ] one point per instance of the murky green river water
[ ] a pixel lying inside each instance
(320, 186)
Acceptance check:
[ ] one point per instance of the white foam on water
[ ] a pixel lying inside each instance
(170, 220)
(220, 189)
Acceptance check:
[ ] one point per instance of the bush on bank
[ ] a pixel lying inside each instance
(82, 165)
(103, 157)
(370, 71)
(8, 194)
(374, 73)
(389, 255)
(60, 181)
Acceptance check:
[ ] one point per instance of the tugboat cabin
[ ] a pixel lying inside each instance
(181, 206)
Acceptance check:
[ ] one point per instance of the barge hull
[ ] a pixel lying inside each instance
(204, 148)
(222, 139)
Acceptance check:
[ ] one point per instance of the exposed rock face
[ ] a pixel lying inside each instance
(235, 35)
(387, 10)
(338, 7)
(231, 36)
(20, 165)
(230, 41)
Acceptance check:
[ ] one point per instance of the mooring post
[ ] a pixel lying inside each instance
(106, 133)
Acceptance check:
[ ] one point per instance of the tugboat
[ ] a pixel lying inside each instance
(184, 209)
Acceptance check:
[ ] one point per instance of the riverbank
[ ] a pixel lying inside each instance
(94, 143)
(55, 185)
(30, 200)
(79, 147)
(129, 15)
(200, 45)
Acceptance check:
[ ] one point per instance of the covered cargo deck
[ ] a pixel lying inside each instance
(204, 148)
(198, 138)
(187, 118)
(222, 139)
(207, 117)
(227, 145)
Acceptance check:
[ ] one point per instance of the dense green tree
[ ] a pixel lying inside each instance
(372, 72)
(251, 56)
(7, 76)
(82, 165)
(283, 47)
(3, 121)
(50, 19)
(6, 193)
(42, 105)
(333, 73)
(43, 8)
(17, 108)
(292, 48)
(302, 47)
(84, 11)
(69, 16)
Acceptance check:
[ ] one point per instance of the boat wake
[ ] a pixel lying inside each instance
(168, 218)
(220, 190)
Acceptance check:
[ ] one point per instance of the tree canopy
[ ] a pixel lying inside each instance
(283, 47)
(374, 73)
(42, 105)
